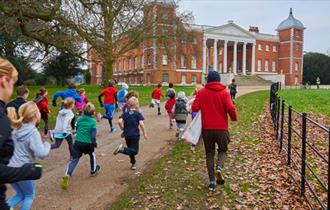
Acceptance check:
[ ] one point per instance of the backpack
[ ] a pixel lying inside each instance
(180, 112)
(121, 95)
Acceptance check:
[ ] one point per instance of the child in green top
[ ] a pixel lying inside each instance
(85, 143)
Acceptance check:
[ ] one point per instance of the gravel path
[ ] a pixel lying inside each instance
(87, 192)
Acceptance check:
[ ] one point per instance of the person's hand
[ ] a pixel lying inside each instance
(54, 103)
(145, 136)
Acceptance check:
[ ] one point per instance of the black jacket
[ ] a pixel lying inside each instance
(10, 174)
(16, 103)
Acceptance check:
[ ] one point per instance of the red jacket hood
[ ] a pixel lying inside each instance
(215, 86)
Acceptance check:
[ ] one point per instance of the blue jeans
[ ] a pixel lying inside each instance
(25, 192)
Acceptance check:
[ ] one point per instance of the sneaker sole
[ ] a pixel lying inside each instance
(96, 172)
(220, 179)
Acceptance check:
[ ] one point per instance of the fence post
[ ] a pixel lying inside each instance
(282, 124)
(289, 134)
(278, 115)
(303, 154)
(329, 171)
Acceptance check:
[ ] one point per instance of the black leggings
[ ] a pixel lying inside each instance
(44, 117)
(59, 141)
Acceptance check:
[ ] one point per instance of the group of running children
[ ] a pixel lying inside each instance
(82, 127)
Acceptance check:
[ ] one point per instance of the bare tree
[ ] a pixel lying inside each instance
(110, 27)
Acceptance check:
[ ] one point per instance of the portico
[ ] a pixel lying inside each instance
(229, 49)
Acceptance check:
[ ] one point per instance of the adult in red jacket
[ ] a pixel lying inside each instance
(215, 105)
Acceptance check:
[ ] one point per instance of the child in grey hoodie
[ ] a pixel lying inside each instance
(28, 147)
(63, 126)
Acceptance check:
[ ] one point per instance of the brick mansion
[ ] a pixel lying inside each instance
(229, 49)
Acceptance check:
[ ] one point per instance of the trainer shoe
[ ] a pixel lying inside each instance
(113, 130)
(94, 173)
(218, 174)
(212, 186)
(133, 166)
(159, 113)
(118, 149)
(65, 182)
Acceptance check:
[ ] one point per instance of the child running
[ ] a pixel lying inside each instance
(28, 147)
(22, 94)
(156, 94)
(63, 126)
(130, 123)
(110, 101)
(233, 90)
(169, 106)
(180, 113)
(169, 90)
(85, 143)
(129, 95)
(121, 96)
(80, 105)
(42, 103)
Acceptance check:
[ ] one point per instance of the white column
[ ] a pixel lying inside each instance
(204, 55)
(225, 57)
(215, 55)
(244, 59)
(235, 59)
(253, 62)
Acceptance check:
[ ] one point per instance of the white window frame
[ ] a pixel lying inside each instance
(183, 61)
(220, 52)
(194, 40)
(165, 60)
(274, 66)
(259, 65)
(194, 62)
(297, 46)
(296, 66)
(149, 58)
(193, 78)
(260, 47)
(135, 62)
(266, 65)
(267, 47)
(167, 77)
(274, 48)
(183, 81)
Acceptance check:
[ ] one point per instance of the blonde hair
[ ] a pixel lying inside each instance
(197, 88)
(89, 109)
(68, 103)
(26, 113)
(133, 102)
(7, 69)
(81, 90)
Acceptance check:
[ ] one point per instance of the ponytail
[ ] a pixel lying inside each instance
(26, 112)
(12, 115)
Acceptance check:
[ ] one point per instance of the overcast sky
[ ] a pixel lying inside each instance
(267, 15)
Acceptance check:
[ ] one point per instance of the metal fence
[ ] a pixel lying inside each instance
(306, 145)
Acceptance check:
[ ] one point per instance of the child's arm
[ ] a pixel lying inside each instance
(143, 130)
(39, 148)
(57, 94)
(121, 123)
(93, 136)
(100, 100)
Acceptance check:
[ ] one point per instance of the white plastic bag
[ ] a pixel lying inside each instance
(194, 130)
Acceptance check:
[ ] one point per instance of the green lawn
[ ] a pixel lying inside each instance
(310, 100)
(178, 180)
(92, 92)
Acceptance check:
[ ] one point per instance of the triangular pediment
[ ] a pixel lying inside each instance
(230, 29)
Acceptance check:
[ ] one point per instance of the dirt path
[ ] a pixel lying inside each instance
(87, 192)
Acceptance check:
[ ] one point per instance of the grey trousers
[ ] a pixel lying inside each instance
(211, 138)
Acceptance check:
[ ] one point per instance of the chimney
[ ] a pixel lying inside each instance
(254, 29)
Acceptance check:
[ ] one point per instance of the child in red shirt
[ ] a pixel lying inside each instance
(42, 104)
(110, 101)
(156, 94)
(169, 106)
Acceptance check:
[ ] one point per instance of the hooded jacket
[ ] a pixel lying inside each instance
(215, 105)
(69, 93)
(10, 174)
(28, 146)
(63, 121)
